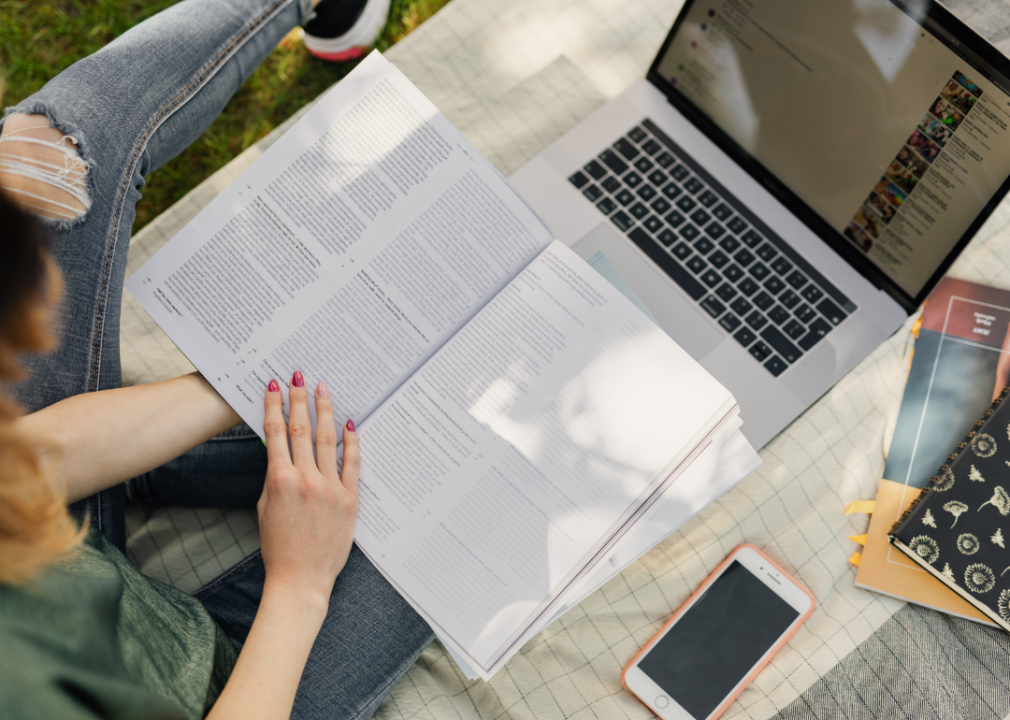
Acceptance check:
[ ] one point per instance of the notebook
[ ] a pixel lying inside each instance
(954, 529)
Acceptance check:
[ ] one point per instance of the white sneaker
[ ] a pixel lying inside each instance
(343, 30)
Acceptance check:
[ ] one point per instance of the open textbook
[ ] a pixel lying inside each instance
(520, 419)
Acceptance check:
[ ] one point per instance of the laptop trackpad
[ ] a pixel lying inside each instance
(681, 319)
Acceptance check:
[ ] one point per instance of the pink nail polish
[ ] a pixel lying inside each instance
(273, 386)
(298, 380)
(350, 425)
(322, 390)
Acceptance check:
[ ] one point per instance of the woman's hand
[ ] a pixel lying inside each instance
(308, 509)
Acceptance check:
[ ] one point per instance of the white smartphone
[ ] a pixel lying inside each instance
(719, 640)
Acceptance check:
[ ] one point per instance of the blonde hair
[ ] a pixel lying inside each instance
(36, 531)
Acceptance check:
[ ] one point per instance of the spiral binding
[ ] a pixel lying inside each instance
(950, 460)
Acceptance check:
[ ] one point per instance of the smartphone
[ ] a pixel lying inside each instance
(719, 640)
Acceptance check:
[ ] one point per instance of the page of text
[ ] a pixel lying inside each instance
(492, 475)
(360, 241)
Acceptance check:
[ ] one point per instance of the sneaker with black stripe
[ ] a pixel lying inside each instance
(343, 30)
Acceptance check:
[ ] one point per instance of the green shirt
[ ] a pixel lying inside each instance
(93, 638)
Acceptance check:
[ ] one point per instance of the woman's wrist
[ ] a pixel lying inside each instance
(305, 601)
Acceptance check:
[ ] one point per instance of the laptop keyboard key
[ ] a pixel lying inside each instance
(744, 257)
(789, 299)
(805, 313)
(643, 165)
(660, 205)
(680, 172)
(733, 273)
(686, 204)
(740, 306)
(647, 192)
(766, 252)
(718, 259)
(675, 219)
(756, 320)
(606, 206)
(632, 179)
(667, 237)
(811, 293)
(621, 220)
(638, 134)
(778, 314)
(700, 217)
(689, 232)
(578, 179)
(593, 193)
(726, 292)
(782, 266)
(818, 329)
(715, 230)
(781, 343)
(694, 186)
(611, 184)
(665, 159)
(775, 365)
(722, 211)
(751, 238)
(626, 149)
(708, 198)
(624, 197)
(748, 287)
(763, 300)
(613, 161)
(638, 210)
(697, 265)
(744, 336)
(657, 178)
(760, 351)
(796, 280)
(794, 329)
(831, 311)
(711, 278)
(737, 225)
(759, 270)
(729, 243)
(774, 285)
(703, 245)
(595, 170)
(672, 190)
(695, 290)
(729, 322)
(682, 250)
(652, 147)
(653, 224)
(712, 306)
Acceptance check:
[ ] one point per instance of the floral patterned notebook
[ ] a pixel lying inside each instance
(954, 528)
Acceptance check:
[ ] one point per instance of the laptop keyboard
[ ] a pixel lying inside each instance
(755, 287)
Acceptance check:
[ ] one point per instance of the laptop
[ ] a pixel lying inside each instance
(787, 184)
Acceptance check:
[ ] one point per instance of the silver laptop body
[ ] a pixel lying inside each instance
(778, 263)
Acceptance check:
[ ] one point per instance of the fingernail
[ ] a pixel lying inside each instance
(298, 380)
(350, 426)
(273, 386)
(322, 390)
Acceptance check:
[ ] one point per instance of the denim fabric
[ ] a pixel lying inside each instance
(131, 107)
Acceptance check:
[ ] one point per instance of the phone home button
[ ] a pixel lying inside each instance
(662, 701)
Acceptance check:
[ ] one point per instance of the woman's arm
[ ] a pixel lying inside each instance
(307, 514)
(103, 438)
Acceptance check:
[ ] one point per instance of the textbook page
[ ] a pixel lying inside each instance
(514, 457)
(360, 241)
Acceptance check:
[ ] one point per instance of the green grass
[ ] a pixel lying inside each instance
(39, 38)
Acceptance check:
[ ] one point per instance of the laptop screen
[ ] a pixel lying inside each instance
(892, 131)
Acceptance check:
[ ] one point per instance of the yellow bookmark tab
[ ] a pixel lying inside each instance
(861, 539)
(855, 559)
(861, 506)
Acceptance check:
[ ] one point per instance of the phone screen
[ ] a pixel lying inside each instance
(718, 640)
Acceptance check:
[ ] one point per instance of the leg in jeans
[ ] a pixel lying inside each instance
(130, 108)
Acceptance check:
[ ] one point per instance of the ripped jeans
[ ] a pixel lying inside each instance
(127, 110)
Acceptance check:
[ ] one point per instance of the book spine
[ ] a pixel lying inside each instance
(950, 461)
